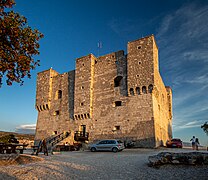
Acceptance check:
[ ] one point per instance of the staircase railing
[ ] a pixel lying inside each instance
(51, 141)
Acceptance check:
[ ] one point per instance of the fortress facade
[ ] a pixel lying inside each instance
(112, 96)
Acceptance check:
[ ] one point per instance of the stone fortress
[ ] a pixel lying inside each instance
(117, 95)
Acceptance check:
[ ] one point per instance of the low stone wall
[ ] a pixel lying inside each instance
(191, 158)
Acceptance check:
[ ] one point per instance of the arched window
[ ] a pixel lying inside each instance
(44, 107)
(59, 94)
(131, 90)
(47, 106)
(37, 108)
(82, 117)
(150, 88)
(117, 81)
(144, 90)
(85, 115)
(138, 90)
(79, 117)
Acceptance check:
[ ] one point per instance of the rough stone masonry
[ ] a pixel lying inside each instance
(112, 96)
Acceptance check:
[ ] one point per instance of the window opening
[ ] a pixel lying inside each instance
(56, 113)
(138, 90)
(117, 81)
(116, 128)
(59, 94)
(144, 90)
(118, 103)
(150, 88)
(131, 91)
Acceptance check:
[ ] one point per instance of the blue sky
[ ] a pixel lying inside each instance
(73, 28)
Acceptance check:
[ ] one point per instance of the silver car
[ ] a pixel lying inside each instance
(107, 145)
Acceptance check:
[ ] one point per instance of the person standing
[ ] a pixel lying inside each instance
(44, 147)
(193, 141)
(197, 144)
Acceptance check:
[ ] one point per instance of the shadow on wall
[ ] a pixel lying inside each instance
(121, 79)
(170, 131)
(71, 79)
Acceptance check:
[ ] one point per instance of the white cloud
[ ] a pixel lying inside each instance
(183, 41)
(26, 128)
(184, 125)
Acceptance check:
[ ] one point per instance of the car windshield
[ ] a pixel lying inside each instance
(175, 140)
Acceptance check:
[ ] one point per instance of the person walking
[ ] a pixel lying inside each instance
(197, 144)
(193, 140)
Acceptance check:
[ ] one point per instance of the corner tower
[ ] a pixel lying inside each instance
(83, 94)
(142, 62)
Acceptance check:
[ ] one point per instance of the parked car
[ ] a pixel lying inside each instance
(107, 145)
(174, 143)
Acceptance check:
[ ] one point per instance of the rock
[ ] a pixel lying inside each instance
(175, 162)
(191, 158)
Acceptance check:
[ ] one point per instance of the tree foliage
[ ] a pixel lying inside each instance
(205, 127)
(8, 139)
(18, 45)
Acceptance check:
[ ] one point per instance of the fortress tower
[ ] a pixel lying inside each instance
(111, 96)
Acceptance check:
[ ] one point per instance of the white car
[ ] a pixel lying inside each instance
(107, 145)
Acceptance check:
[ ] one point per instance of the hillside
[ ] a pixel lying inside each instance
(19, 136)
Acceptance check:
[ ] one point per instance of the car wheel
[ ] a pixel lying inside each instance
(115, 149)
(93, 149)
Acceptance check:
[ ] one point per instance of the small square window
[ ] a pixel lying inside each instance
(81, 104)
(56, 113)
(118, 103)
(117, 128)
(139, 47)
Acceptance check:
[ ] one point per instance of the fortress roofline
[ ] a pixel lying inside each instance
(86, 56)
(152, 35)
(110, 53)
(50, 69)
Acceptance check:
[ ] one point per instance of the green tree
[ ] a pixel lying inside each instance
(205, 127)
(18, 45)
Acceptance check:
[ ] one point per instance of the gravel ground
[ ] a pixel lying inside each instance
(128, 164)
